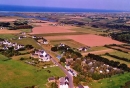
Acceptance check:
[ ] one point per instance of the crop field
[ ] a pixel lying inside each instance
(60, 34)
(6, 31)
(46, 28)
(93, 40)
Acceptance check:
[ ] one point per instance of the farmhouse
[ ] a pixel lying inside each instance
(42, 55)
(83, 48)
(64, 82)
(21, 37)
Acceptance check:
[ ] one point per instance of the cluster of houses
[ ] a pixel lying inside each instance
(6, 45)
(83, 49)
(99, 67)
(42, 55)
(60, 24)
(40, 40)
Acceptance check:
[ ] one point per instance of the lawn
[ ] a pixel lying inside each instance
(113, 82)
(68, 42)
(15, 74)
(29, 41)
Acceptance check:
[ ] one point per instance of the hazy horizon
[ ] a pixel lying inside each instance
(82, 4)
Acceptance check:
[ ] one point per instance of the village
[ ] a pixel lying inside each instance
(65, 54)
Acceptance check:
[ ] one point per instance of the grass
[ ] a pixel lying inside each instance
(60, 34)
(25, 30)
(116, 81)
(68, 42)
(29, 41)
(21, 56)
(89, 30)
(120, 54)
(114, 59)
(97, 48)
(8, 36)
(15, 74)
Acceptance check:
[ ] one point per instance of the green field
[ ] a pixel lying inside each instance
(8, 36)
(15, 74)
(113, 82)
(68, 42)
(21, 56)
(29, 41)
(88, 29)
(61, 34)
(120, 54)
(25, 30)
(114, 59)
(97, 48)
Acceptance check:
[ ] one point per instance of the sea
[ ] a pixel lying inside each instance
(14, 8)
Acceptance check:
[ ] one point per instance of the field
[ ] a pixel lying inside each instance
(29, 41)
(7, 19)
(6, 31)
(114, 59)
(8, 36)
(98, 52)
(70, 43)
(15, 74)
(88, 29)
(113, 82)
(120, 54)
(18, 57)
(93, 40)
(25, 30)
(60, 34)
(120, 48)
(97, 48)
(46, 28)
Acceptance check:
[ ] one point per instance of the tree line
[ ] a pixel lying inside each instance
(109, 62)
(120, 58)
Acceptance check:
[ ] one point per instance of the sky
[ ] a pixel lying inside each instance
(86, 4)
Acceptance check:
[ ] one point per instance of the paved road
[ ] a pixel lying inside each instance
(66, 72)
(61, 67)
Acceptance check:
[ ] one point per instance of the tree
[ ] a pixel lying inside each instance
(54, 49)
(63, 60)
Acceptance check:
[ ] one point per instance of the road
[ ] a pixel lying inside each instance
(66, 72)
(61, 67)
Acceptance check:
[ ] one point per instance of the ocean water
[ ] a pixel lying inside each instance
(10, 8)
